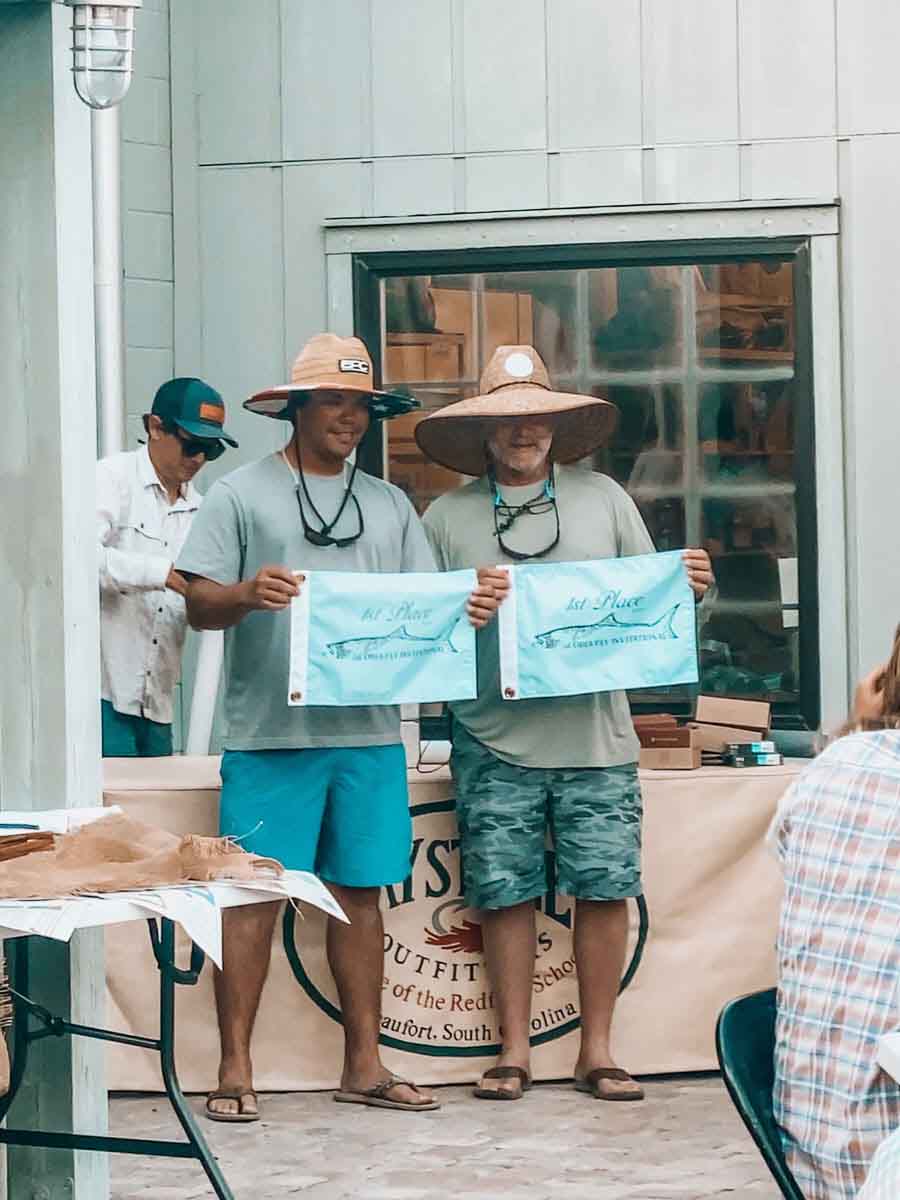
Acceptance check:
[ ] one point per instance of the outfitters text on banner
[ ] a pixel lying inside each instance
(572, 628)
(361, 638)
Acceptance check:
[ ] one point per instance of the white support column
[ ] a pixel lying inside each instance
(49, 686)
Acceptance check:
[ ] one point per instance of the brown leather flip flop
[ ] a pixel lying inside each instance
(593, 1084)
(504, 1093)
(377, 1096)
(232, 1118)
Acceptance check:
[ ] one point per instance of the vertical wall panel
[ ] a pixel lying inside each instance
(312, 193)
(145, 369)
(504, 75)
(148, 246)
(242, 263)
(795, 170)
(151, 40)
(238, 70)
(325, 78)
(412, 100)
(501, 182)
(146, 177)
(145, 111)
(596, 178)
(413, 186)
(595, 54)
(692, 92)
(787, 68)
(148, 313)
(694, 174)
(868, 39)
(871, 275)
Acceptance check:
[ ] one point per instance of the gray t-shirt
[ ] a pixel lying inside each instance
(251, 519)
(597, 520)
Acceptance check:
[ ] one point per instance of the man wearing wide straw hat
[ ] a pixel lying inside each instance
(569, 762)
(321, 789)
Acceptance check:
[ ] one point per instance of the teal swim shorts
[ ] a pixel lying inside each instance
(341, 812)
(504, 812)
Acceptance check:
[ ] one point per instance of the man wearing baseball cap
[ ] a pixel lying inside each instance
(146, 501)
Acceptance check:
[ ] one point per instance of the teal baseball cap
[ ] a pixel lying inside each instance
(193, 406)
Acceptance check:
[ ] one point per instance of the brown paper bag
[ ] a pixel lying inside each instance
(119, 853)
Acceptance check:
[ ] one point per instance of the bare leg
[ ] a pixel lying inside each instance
(356, 957)
(601, 933)
(510, 948)
(246, 948)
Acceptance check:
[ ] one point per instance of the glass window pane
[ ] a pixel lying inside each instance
(699, 360)
(745, 312)
(635, 316)
(535, 308)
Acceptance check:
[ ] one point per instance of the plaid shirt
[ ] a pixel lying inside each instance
(883, 1181)
(837, 835)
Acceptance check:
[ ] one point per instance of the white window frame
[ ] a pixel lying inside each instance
(819, 223)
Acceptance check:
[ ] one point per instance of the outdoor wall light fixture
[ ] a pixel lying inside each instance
(103, 50)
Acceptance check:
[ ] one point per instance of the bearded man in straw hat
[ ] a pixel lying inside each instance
(320, 789)
(569, 761)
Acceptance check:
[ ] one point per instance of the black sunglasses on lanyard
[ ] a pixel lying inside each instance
(506, 515)
(323, 536)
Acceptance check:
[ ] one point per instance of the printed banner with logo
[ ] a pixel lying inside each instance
(361, 638)
(572, 628)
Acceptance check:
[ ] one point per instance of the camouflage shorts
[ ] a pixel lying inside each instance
(504, 812)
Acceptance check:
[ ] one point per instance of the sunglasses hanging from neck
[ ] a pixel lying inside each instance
(323, 536)
(506, 515)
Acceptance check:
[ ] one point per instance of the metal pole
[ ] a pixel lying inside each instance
(109, 321)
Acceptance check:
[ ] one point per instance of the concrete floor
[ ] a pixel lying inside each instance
(685, 1142)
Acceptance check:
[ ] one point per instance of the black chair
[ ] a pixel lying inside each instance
(745, 1045)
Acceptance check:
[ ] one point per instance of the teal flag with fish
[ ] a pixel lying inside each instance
(362, 639)
(568, 629)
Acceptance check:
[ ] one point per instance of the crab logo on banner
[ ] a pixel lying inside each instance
(436, 995)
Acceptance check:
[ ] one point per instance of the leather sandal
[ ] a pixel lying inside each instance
(377, 1096)
(519, 1073)
(238, 1094)
(593, 1084)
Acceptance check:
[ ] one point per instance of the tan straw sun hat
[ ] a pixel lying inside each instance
(515, 383)
(331, 363)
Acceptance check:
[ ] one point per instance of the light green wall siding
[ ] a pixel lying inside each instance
(147, 205)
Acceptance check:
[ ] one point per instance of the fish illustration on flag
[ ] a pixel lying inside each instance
(363, 638)
(569, 629)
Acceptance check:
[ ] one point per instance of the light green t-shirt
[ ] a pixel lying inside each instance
(251, 519)
(597, 520)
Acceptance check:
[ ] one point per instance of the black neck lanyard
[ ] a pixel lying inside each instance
(323, 536)
(506, 515)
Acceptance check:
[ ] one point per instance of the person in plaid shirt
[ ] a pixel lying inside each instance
(883, 1181)
(837, 835)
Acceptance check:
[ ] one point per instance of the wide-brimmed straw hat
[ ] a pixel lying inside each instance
(515, 383)
(331, 363)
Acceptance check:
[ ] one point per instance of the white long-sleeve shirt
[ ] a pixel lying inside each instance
(142, 623)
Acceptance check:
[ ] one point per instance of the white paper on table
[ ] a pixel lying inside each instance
(50, 918)
(196, 911)
(192, 906)
(296, 885)
(51, 820)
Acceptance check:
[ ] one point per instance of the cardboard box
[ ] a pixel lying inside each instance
(663, 737)
(719, 720)
(684, 758)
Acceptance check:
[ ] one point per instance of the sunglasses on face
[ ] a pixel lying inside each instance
(191, 447)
